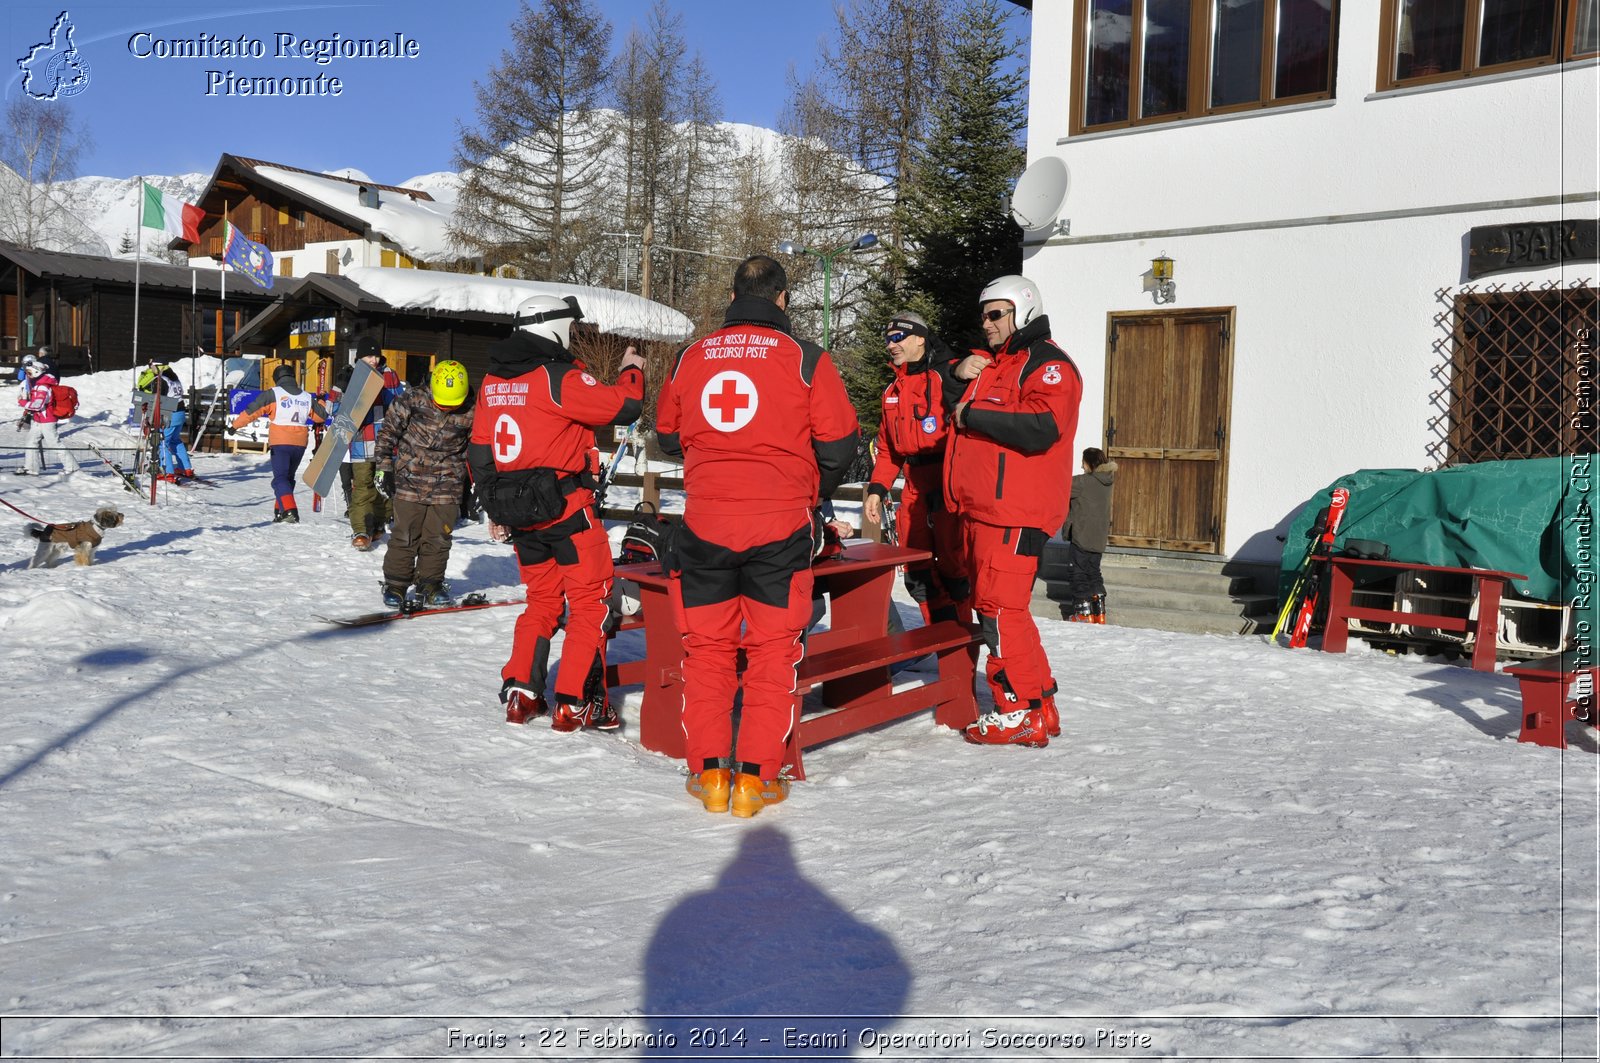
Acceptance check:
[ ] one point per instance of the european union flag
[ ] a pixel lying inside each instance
(248, 257)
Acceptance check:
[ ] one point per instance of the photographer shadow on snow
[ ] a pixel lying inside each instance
(764, 950)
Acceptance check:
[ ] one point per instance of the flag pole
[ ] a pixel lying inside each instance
(152, 421)
(222, 267)
(138, 261)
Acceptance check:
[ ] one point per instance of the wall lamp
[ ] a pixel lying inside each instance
(1162, 287)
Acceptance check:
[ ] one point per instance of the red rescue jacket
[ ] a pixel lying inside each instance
(761, 420)
(916, 417)
(538, 409)
(1011, 464)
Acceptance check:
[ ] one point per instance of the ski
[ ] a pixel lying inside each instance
(129, 482)
(466, 604)
(1313, 540)
(1306, 593)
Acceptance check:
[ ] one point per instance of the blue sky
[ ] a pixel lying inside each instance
(395, 118)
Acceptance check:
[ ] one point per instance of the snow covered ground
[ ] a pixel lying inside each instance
(233, 831)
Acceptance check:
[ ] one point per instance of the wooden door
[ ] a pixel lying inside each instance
(1168, 383)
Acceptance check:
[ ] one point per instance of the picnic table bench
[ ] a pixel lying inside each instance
(849, 661)
(1544, 685)
(856, 682)
(1487, 586)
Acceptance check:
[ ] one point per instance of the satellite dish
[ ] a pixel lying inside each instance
(1040, 192)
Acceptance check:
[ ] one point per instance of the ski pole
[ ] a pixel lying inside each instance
(604, 483)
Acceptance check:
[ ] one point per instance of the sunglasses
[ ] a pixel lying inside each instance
(994, 315)
(897, 337)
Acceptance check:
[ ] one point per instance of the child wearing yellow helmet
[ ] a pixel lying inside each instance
(421, 463)
(449, 384)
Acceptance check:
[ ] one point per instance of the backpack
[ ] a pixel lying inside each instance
(63, 401)
(648, 538)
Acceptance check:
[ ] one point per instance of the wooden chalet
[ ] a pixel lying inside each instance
(323, 223)
(318, 317)
(82, 306)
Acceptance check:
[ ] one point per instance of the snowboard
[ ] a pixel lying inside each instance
(466, 604)
(323, 470)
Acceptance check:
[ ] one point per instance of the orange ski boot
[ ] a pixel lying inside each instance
(752, 793)
(712, 785)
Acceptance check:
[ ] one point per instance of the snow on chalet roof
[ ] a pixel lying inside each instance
(610, 311)
(417, 226)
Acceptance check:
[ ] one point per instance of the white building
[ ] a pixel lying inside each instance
(1315, 170)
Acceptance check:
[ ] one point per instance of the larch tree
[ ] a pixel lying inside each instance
(703, 165)
(871, 107)
(532, 165)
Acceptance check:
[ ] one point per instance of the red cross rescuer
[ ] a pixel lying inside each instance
(765, 428)
(534, 462)
(1008, 473)
(911, 434)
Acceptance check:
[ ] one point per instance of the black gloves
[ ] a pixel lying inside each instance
(384, 482)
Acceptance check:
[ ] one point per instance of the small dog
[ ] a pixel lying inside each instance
(81, 537)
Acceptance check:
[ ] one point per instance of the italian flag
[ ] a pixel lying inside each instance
(162, 211)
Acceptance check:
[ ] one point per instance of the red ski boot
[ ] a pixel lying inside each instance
(1023, 727)
(521, 703)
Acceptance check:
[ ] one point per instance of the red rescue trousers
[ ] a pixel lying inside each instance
(571, 568)
(939, 587)
(1005, 563)
(765, 588)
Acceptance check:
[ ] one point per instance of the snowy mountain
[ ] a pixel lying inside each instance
(111, 206)
(57, 229)
(108, 206)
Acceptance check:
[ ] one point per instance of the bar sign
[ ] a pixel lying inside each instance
(1531, 245)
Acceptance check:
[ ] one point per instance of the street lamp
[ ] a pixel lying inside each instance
(789, 247)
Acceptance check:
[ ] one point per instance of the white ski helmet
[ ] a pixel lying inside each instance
(1017, 290)
(548, 316)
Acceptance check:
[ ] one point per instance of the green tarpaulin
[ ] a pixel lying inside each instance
(1534, 517)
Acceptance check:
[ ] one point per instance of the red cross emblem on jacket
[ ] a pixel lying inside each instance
(729, 401)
